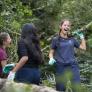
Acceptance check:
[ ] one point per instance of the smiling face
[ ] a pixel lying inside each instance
(65, 27)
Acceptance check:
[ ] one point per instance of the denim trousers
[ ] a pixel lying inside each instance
(28, 75)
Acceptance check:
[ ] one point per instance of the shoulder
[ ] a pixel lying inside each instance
(55, 38)
(2, 51)
(72, 39)
(3, 54)
(21, 42)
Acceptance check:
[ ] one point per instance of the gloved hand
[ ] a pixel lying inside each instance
(52, 61)
(81, 35)
(7, 68)
(11, 76)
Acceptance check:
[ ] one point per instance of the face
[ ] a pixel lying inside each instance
(7, 41)
(65, 27)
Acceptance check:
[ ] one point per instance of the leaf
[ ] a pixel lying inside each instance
(15, 25)
(89, 41)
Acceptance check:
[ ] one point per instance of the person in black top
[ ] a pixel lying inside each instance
(30, 56)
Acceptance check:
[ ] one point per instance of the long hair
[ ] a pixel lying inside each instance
(3, 37)
(29, 36)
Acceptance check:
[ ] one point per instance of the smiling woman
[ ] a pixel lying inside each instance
(62, 54)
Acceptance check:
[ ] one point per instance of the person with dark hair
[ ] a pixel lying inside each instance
(62, 55)
(5, 41)
(30, 57)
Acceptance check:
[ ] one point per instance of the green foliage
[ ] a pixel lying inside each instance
(15, 87)
(46, 15)
(89, 42)
(48, 83)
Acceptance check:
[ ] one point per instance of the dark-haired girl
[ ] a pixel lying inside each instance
(5, 41)
(30, 57)
(62, 54)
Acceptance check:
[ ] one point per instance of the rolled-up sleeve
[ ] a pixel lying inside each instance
(76, 43)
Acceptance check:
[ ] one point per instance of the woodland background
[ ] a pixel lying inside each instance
(46, 15)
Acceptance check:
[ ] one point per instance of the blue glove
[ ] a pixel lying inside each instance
(52, 61)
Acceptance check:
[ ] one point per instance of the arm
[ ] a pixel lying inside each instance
(83, 44)
(3, 63)
(53, 47)
(22, 50)
(52, 60)
(51, 53)
(21, 62)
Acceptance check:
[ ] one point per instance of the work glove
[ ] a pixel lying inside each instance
(52, 61)
(79, 33)
(11, 76)
(7, 68)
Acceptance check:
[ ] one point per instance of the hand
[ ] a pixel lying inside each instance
(11, 76)
(79, 33)
(52, 61)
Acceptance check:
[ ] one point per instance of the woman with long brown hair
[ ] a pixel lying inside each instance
(5, 41)
(62, 54)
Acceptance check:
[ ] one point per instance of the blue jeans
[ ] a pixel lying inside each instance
(28, 75)
(64, 72)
